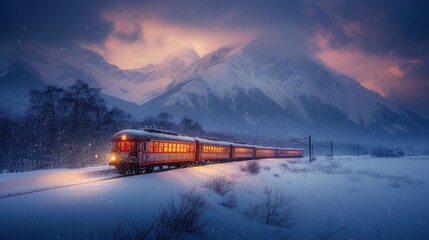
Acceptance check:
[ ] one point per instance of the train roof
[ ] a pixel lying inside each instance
(144, 135)
(265, 147)
(251, 146)
(166, 136)
(243, 145)
(288, 148)
(213, 142)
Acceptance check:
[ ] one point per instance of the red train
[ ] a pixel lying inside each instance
(137, 150)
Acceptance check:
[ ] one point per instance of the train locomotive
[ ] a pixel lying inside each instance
(135, 151)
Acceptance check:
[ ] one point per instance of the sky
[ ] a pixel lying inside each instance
(382, 44)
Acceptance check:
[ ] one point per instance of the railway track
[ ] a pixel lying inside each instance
(110, 171)
(8, 195)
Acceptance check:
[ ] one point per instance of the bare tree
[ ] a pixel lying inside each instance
(165, 121)
(276, 208)
(331, 232)
(229, 201)
(252, 167)
(142, 231)
(220, 185)
(5, 132)
(45, 115)
(189, 127)
(176, 220)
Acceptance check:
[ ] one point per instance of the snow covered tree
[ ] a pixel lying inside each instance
(70, 127)
(165, 121)
(45, 116)
(84, 111)
(5, 123)
(188, 126)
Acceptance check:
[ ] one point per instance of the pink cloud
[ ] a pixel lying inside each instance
(378, 73)
(159, 39)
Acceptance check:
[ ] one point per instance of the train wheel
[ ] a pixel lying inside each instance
(123, 169)
(149, 169)
(120, 171)
(137, 170)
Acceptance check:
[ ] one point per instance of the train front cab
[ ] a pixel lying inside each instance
(137, 150)
(126, 154)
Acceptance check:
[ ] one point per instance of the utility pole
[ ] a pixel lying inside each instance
(309, 148)
(312, 151)
(332, 150)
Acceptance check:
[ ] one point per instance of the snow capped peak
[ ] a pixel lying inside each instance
(185, 58)
(216, 57)
(188, 53)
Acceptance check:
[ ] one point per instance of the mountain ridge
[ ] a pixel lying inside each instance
(236, 87)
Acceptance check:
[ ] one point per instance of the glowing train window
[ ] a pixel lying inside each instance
(243, 150)
(213, 149)
(125, 146)
(169, 147)
(265, 151)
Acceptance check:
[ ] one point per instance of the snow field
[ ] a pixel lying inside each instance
(344, 198)
(25, 182)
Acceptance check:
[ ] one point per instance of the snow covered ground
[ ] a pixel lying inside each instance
(12, 184)
(344, 198)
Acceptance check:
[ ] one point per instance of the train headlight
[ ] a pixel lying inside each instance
(112, 158)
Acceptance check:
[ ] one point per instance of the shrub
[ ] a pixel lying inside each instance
(252, 167)
(276, 208)
(331, 232)
(230, 201)
(220, 185)
(176, 220)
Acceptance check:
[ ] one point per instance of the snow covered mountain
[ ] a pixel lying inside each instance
(242, 88)
(62, 66)
(156, 78)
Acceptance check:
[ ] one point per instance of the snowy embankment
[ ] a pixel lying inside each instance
(344, 198)
(12, 184)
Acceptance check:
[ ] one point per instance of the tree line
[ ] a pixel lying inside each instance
(70, 127)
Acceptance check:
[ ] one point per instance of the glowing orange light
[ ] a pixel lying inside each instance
(124, 137)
